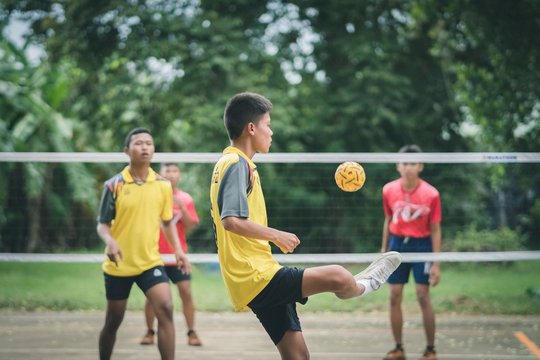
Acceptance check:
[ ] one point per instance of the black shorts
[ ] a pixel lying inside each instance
(119, 287)
(175, 274)
(275, 305)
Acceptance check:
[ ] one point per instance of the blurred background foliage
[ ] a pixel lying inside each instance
(344, 76)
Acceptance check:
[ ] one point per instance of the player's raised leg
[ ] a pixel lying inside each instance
(330, 278)
(376, 274)
(337, 279)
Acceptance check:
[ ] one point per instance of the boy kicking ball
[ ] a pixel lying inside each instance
(254, 279)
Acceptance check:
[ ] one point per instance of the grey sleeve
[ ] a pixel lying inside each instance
(107, 206)
(232, 195)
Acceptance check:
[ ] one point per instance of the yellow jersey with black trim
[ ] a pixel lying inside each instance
(247, 264)
(135, 212)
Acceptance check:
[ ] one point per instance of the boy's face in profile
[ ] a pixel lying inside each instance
(262, 137)
(410, 171)
(171, 173)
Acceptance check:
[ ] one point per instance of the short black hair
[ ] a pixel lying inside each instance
(242, 109)
(411, 148)
(137, 130)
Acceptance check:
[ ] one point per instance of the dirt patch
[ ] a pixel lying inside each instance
(228, 336)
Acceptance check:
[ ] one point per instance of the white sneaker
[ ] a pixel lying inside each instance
(380, 269)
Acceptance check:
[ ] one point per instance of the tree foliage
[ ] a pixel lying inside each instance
(357, 76)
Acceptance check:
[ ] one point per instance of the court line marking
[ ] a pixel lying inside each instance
(524, 339)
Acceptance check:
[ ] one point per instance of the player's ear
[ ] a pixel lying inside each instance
(420, 167)
(126, 150)
(250, 128)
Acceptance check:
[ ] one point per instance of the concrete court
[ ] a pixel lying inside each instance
(234, 336)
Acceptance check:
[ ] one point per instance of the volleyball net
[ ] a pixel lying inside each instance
(352, 258)
(490, 201)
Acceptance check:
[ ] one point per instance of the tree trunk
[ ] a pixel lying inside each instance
(34, 223)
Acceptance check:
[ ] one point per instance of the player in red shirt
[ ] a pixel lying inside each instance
(412, 223)
(185, 217)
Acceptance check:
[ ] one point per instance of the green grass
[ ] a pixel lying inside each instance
(464, 288)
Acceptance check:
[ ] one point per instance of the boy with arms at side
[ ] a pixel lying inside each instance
(185, 219)
(134, 204)
(254, 279)
(412, 223)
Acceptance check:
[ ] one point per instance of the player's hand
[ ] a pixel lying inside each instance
(434, 275)
(114, 253)
(183, 263)
(287, 242)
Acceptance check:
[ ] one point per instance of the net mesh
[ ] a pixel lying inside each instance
(490, 201)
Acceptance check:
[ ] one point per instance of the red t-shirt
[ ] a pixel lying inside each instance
(413, 211)
(187, 200)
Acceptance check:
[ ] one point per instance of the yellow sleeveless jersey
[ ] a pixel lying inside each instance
(247, 264)
(135, 213)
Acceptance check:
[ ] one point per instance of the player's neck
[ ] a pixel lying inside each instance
(245, 147)
(139, 172)
(409, 184)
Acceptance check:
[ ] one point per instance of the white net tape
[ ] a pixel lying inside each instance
(440, 158)
(298, 258)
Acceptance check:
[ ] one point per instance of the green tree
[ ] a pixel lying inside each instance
(29, 121)
(489, 55)
(365, 75)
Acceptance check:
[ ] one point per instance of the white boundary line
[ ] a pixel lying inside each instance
(352, 258)
(191, 157)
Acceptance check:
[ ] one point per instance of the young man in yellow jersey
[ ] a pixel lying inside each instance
(254, 279)
(134, 204)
